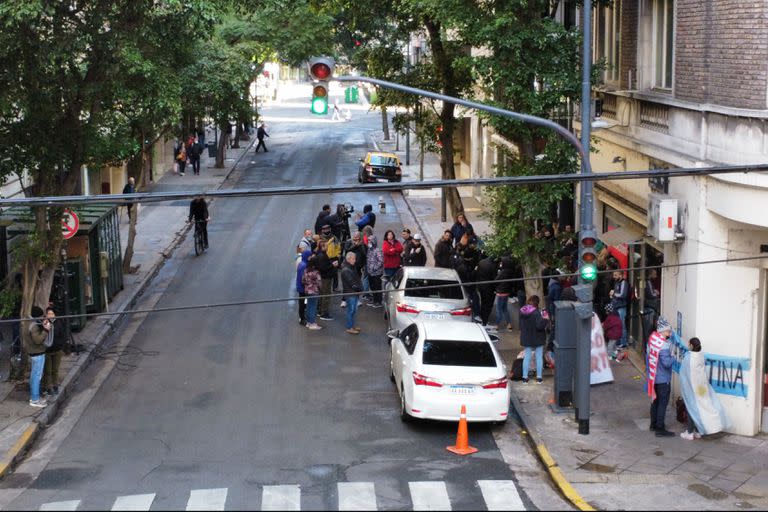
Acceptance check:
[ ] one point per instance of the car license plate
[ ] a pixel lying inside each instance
(462, 390)
(435, 316)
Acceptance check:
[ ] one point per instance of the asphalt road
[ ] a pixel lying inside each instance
(240, 398)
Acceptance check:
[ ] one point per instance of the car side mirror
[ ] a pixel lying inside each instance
(394, 333)
(494, 338)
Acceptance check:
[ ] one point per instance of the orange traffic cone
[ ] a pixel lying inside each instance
(462, 436)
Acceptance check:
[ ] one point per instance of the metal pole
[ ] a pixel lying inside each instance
(585, 199)
(65, 282)
(408, 144)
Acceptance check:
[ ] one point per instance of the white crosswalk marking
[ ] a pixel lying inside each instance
(207, 499)
(429, 496)
(134, 502)
(61, 505)
(357, 496)
(281, 497)
(501, 495)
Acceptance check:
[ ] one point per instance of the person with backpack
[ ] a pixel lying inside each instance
(180, 156)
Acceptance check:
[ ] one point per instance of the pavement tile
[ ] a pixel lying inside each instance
(724, 484)
(756, 485)
(645, 468)
(698, 468)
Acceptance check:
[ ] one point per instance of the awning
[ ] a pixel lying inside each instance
(618, 236)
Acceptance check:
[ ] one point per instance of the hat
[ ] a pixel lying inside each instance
(609, 308)
(417, 236)
(662, 324)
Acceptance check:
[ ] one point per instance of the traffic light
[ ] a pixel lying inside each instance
(320, 70)
(588, 263)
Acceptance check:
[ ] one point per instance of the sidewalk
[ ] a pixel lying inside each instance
(620, 465)
(160, 229)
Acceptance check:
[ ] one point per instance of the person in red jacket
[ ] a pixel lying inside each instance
(612, 329)
(392, 250)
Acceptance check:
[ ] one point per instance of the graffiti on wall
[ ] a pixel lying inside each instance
(727, 374)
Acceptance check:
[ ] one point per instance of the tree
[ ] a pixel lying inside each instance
(66, 68)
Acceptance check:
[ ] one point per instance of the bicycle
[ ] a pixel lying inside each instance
(199, 242)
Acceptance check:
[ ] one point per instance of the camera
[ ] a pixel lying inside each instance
(349, 209)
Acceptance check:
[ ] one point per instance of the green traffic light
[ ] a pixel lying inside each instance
(588, 272)
(319, 106)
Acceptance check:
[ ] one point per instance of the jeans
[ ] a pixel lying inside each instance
(389, 272)
(502, 311)
(375, 282)
(623, 315)
(36, 373)
(325, 302)
(351, 310)
(311, 310)
(539, 361)
(302, 307)
(659, 406)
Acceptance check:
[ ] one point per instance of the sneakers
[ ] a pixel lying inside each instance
(182, 173)
(664, 433)
(38, 403)
(302, 322)
(343, 303)
(313, 327)
(324, 317)
(352, 331)
(688, 436)
(375, 305)
(525, 381)
(510, 327)
(538, 381)
(696, 435)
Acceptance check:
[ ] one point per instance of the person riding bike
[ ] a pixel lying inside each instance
(198, 209)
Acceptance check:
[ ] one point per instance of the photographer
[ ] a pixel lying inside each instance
(339, 222)
(38, 337)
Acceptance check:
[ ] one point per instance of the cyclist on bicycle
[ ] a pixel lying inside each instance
(198, 209)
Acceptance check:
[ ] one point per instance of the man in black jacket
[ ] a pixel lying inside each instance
(193, 152)
(320, 220)
(351, 285)
(261, 132)
(486, 271)
(443, 250)
(198, 209)
(415, 255)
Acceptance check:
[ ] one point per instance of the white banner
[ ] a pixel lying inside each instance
(601, 367)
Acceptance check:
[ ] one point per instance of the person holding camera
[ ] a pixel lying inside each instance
(39, 336)
(53, 355)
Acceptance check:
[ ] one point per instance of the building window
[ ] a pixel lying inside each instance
(663, 32)
(606, 39)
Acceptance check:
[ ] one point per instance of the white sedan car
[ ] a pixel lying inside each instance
(408, 299)
(438, 366)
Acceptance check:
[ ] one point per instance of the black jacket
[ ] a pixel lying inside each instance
(486, 271)
(261, 133)
(443, 254)
(198, 210)
(506, 287)
(320, 221)
(360, 251)
(324, 265)
(59, 337)
(350, 279)
(415, 256)
(533, 327)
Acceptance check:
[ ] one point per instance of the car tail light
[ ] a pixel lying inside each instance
(462, 312)
(496, 384)
(423, 380)
(406, 308)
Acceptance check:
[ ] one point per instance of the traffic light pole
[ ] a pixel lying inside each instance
(586, 209)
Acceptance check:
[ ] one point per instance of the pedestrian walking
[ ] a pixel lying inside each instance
(38, 337)
(53, 355)
(415, 255)
(533, 335)
(443, 249)
(392, 250)
(180, 156)
(336, 111)
(659, 365)
(375, 268)
(129, 188)
(351, 286)
(327, 269)
(195, 150)
(311, 281)
(504, 288)
(261, 133)
(705, 413)
(300, 269)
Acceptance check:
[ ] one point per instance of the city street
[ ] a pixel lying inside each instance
(241, 407)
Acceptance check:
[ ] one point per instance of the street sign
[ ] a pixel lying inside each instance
(69, 224)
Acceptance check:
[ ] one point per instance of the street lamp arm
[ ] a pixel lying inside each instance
(526, 118)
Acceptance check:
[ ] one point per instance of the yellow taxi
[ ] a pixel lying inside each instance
(379, 166)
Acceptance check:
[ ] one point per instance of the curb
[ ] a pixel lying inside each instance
(25, 440)
(551, 465)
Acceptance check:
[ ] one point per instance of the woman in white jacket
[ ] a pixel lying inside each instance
(705, 414)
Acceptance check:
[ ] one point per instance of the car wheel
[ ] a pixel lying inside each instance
(404, 416)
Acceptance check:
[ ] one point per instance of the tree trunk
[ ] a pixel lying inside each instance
(238, 134)
(532, 269)
(136, 166)
(385, 123)
(223, 140)
(455, 205)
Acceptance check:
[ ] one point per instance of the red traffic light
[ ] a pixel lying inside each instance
(320, 71)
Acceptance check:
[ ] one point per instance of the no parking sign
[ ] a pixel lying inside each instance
(69, 224)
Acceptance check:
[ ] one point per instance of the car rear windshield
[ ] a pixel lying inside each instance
(383, 160)
(413, 288)
(458, 353)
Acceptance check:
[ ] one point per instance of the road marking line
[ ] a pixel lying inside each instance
(134, 502)
(19, 446)
(357, 496)
(501, 495)
(207, 499)
(429, 496)
(281, 497)
(61, 505)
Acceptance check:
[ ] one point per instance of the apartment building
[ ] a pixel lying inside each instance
(685, 85)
